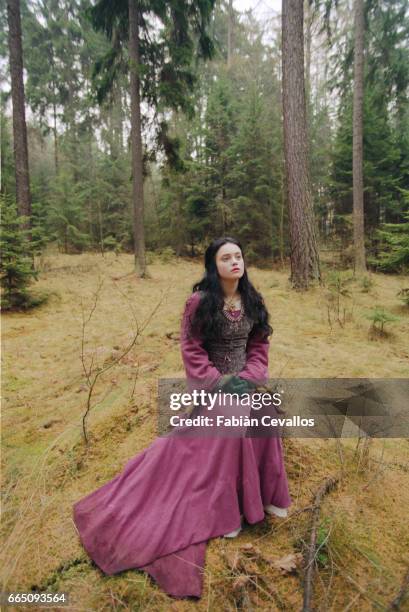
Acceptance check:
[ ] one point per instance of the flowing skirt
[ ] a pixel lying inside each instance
(159, 512)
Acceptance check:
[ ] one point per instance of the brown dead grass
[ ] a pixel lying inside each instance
(46, 467)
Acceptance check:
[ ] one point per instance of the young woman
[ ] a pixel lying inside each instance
(158, 514)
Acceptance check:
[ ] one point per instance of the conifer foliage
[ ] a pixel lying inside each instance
(211, 125)
(16, 270)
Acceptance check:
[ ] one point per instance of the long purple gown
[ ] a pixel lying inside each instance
(159, 512)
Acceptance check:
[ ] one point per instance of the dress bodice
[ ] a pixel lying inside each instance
(234, 351)
(228, 352)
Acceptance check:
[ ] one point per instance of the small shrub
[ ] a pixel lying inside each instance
(379, 317)
(16, 267)
(167, 254)
(393, 245)
(323, 534)
(111, 244)
(338, 286)
(150, 257)
(366, 284)
(338, 283)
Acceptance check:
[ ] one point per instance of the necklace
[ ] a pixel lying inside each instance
(229, 316)
(229, 308)
(231, 303)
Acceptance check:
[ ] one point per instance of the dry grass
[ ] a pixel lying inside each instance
(365, 542)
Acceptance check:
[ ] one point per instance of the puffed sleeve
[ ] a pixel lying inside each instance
(256, 368)
(201, 373)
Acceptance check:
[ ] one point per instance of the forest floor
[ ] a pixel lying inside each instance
(363, 533)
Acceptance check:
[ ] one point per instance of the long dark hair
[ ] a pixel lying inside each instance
(207, 318)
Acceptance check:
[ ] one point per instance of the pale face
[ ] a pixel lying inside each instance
(229, 261)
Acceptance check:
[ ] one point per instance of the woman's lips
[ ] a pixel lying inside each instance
(236, 270)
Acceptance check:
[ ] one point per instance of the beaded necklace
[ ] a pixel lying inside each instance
(229, 309)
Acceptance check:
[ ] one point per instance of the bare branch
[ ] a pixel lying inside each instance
(396, 603)
(84, 324)
(93, 378)
(325, 488)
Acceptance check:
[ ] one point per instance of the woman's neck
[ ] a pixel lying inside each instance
(230, 287)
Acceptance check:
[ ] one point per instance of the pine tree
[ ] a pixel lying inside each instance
(221, 126)
(393, 244)
(66, 217)
(23, 195)
(303, 232)
(16, 272)
(357, 139)
(160, 64)
(251, 179)
(385, 120)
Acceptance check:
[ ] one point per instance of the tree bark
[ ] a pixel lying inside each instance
(119, 140)
(357, 144)
(55, 134)
(136, 143)
(23, 194)
(304, 251)
(229, 34)
(308, 100)
(308, 23)
(281, 226)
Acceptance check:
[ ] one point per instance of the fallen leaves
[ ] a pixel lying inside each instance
(246, 557)
(289, 563)
(248, 566)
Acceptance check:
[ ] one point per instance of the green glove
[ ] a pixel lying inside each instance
(250, 384)
(233, 384)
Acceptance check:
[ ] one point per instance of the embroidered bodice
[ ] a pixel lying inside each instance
(228, 353)
(234, 352)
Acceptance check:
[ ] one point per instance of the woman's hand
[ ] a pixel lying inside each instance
(230, 383)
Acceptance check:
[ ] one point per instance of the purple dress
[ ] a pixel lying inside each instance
(159, 512)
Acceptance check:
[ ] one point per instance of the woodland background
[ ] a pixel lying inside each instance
(212, 131)
(109, 209)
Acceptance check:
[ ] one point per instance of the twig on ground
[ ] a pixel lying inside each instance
(92, 377)
(84, 324)
(324, 489)
(396, 602)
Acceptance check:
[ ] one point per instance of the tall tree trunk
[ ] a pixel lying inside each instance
(308, 100)
(136, 142)
(304, 251)
(229, 33)
(308, 23)
(119, 141)
(56, 160)
(357, 144)
(114, 122)
(23, 194)
(281, 225)
(156, 208)
(72, 129)
(100, 227)
(110, 132)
